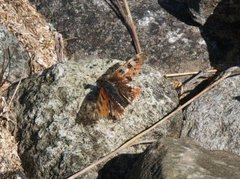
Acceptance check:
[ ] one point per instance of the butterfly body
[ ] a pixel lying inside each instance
(115, 91)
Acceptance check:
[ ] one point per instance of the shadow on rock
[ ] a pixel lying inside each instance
(237, 98)
(220, 30)
(222, 35)
(178, 10)
(13, 174)
(87, 112)
(118, 167)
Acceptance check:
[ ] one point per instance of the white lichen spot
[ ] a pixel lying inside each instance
(162, 102)
(201, 42)
(2, 35)
(146, 20)
(185, 40)
(174, 36)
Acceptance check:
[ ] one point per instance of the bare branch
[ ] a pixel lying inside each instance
(15, 92)
(187, 73)
(132, 27)
(122, 9)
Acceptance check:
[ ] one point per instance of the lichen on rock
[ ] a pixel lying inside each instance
(53, 142)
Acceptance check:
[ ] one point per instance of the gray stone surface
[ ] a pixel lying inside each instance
(181, 159)
(53, 140)
(213, 119)
(13, 58)
(219, 26)
(92, 27)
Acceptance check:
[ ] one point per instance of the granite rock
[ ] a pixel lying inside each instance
(54, 141)
(182, 158)
(168, 34)
(213, 119)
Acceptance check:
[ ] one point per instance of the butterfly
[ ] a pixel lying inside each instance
(115, 91)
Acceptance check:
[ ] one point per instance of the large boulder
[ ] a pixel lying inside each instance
(213, 119)
(182, 158)
(92, 27)
(54, 138)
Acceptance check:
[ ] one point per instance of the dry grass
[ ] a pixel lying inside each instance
(31, 30)
(10, 164)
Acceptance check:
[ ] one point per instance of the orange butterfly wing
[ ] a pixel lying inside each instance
(131, 68)
(128, 92)
(103, 103)
(109, 104)
(124, 74)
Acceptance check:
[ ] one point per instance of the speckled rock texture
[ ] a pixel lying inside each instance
(181, 159)
(213, 119)
(13, 59)
(54, 142)
(167, 33)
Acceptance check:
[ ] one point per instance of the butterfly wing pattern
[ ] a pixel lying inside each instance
(115, 91)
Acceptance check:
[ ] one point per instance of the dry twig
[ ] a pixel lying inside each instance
(6, 107)
(187, 73)
(132, 27)
(7, 117)
(144, 142)
(122, 8)
(59, 47)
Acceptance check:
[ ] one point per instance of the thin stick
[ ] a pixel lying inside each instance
(187, 73)
(144, 142)
(59, 47)
(126, 14)
(133, 139)
(15, 92)
(133, 28)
